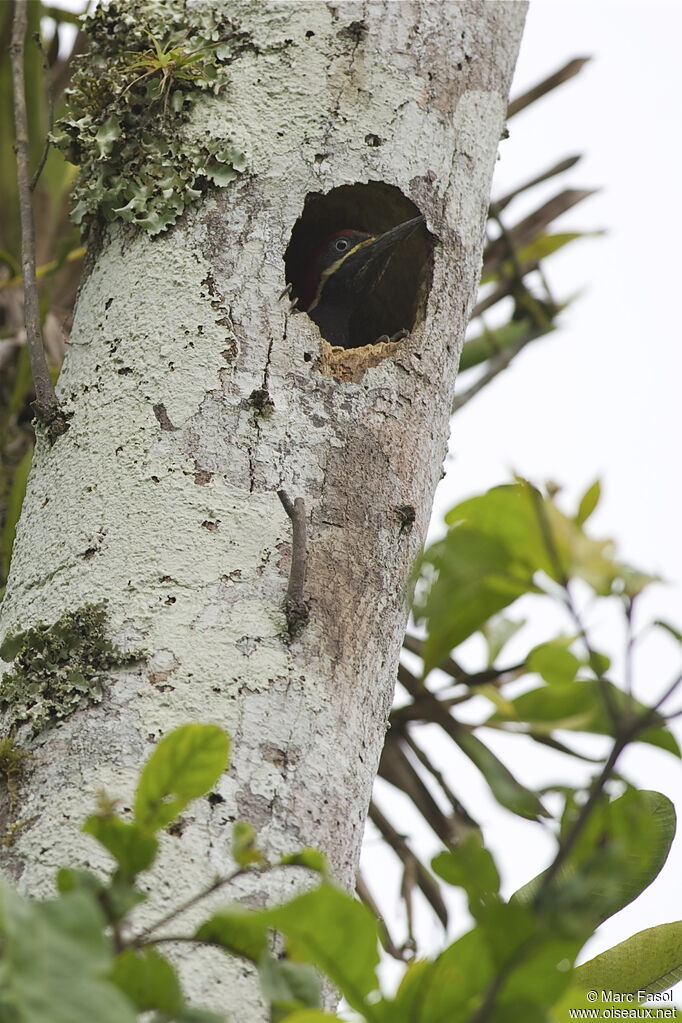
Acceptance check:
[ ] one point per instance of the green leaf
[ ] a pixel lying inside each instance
(547, 244)
(507, 790)
(649, 961)
(313, 859)
(241, 933)
(553, 661)
(620, 851)
(148, 980)
(244, 848)
(489, 343)
(476, 577)
(499, 546)
(588, 502)
(450, 989)
(288, 985)
(55, 960)
(70, 880)
(497, 632)
(470, 866)
(133, 849)
(184, 765)
(544, 974)
(328, 928)
(579, 707)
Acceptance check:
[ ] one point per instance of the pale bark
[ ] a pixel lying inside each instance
(162, 496)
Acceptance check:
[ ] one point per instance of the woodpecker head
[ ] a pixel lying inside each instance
(341, 278)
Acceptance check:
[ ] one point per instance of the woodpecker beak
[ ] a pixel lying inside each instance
(363, 267)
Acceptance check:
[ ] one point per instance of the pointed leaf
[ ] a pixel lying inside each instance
(579, 707)
(507, 790)
(148, 980)
(184, 765)
(588, 502)
(328, 928)
(649, 961)
(553, 661)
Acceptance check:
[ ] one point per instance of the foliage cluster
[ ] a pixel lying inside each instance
(82, 956)
(131, 98)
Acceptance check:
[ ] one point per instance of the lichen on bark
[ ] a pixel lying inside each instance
(130, 104)
(58, 668)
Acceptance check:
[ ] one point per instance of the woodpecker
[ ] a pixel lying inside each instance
(342, 277)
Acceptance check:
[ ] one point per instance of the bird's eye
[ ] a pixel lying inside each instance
(341, 244)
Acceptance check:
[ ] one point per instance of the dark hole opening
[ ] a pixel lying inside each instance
(366, 294)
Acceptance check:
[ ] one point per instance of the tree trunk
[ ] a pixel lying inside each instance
(161, 499)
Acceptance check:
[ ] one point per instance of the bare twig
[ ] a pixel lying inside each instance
(47, 409)
(565, 73)
(463, 818)
(429, 887)
(497, 365)
(403, 954)
(295, 605)
(219, 883)
(50, 114)
(395, 768)
(531, 227)
(558, 168)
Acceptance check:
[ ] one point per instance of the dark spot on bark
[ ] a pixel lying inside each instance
(124, 371)
(170, 600)
(373, 140)
(353, 31)
(162, 417)
(108, 302)
(201, 476)
(406, 516)
(211, 524)
(214, 798)
(261, 400)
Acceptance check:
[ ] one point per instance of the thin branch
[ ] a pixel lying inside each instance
(192, 901)
(47, 409)
(497, 365)
(385, 938)
(531, 227)
(429, 887)
(460, 811)
(50, 113)
(565, 73)
(627, 736)
(395, 768)
(558, 168)
(295, 605)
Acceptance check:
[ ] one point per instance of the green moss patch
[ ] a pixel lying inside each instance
(130, 100)
(58, 668)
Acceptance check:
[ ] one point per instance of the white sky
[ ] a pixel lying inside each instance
(602, 396)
